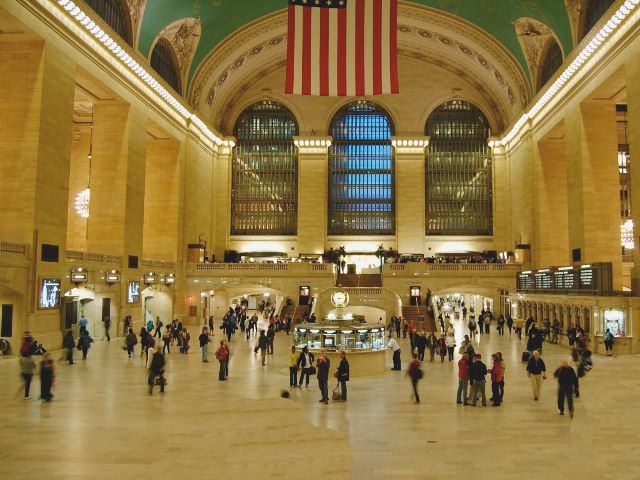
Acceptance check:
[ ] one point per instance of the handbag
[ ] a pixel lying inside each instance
(313, 371)
(336, 395)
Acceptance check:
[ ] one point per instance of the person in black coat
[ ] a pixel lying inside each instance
(69, 343)
(343, 375)
(305, 364)
(323, 366)
(156, 369)
(567, 381)
(477, 373)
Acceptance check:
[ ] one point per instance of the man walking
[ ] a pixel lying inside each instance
(567, 381)
(395, 348)
(204, 345)
(537, 372)
(463, 380)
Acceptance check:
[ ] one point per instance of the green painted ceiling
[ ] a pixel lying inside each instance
(221, 17)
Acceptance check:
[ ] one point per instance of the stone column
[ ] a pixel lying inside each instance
(116, 209)
(313, 166)
(593, 184)
(222, 199)
(410, 193)
(36, 115)
(501, 196)
(162, 200)
(551, 231)
(632, 72)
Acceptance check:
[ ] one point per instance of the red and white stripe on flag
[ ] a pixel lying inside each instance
(342, 47)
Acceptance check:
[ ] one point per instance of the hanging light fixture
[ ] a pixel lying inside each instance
(83, 198)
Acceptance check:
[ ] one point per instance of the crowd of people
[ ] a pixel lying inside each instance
(303, 365)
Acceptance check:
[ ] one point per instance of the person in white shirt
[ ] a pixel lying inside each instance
(395, 348)
(450, 341)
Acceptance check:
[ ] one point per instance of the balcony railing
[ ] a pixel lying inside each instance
(240, 268)
(12, 248)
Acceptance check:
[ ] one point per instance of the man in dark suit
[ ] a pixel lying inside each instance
(343, 375)
(322, 366)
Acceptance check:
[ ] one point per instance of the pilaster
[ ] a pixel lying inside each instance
(410, 193)
(313, 165)
(593, 184)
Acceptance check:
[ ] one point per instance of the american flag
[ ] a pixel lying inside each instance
(342, 47)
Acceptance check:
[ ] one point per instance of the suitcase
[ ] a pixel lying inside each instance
(526, 356)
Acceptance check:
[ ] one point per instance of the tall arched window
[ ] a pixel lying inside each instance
(116, 14)
(594, 11)
(264, 192)
(361, 172)
(458, 171)
(164, 63)
(552, 62)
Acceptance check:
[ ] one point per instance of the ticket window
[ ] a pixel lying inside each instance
(415, 294)
(304, 295)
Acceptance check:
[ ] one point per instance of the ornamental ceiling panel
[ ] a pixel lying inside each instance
(221, 18)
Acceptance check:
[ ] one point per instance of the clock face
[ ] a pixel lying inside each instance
(339, 299)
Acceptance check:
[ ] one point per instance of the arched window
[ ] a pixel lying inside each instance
(552, 62)
(458, 171)
(164, 63)
(116, 14)
(361, 172)
(264, 191)
(595, 9)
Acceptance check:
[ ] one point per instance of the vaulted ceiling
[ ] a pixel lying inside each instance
(220, 18)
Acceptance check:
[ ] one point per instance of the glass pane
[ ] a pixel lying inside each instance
(361, 172)
(264, 196)
(459, 184)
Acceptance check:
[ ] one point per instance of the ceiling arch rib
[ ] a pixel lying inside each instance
(425, 34)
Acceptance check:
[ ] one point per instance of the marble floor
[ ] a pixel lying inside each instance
(103, 425)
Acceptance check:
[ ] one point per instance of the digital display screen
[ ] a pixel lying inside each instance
(416, 291)
(526, 281)
(564, 279)
(50, 293)
(133, 292)
(543, 280)
(586, 278)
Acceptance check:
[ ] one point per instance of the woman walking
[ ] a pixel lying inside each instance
(131, 342)
(415, 373)
(222, 355)
(442, 348)
(27, 369)
(145, 340)
(47, 377)
(451, 344)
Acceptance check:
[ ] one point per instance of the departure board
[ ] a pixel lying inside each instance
(565, 279)
(544, 280)
(595, 278)
(526, 281)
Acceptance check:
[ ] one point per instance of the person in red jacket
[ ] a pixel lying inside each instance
(222, 355)
(496, 379)
(442, 348)
(463, 380)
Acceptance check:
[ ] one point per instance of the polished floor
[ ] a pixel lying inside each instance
(102, 423)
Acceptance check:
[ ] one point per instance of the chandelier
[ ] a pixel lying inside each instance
(626, 235)
(82, 202)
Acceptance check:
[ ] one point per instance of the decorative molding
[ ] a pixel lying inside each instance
(534, 36)
(407, 145)
(312, 145)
